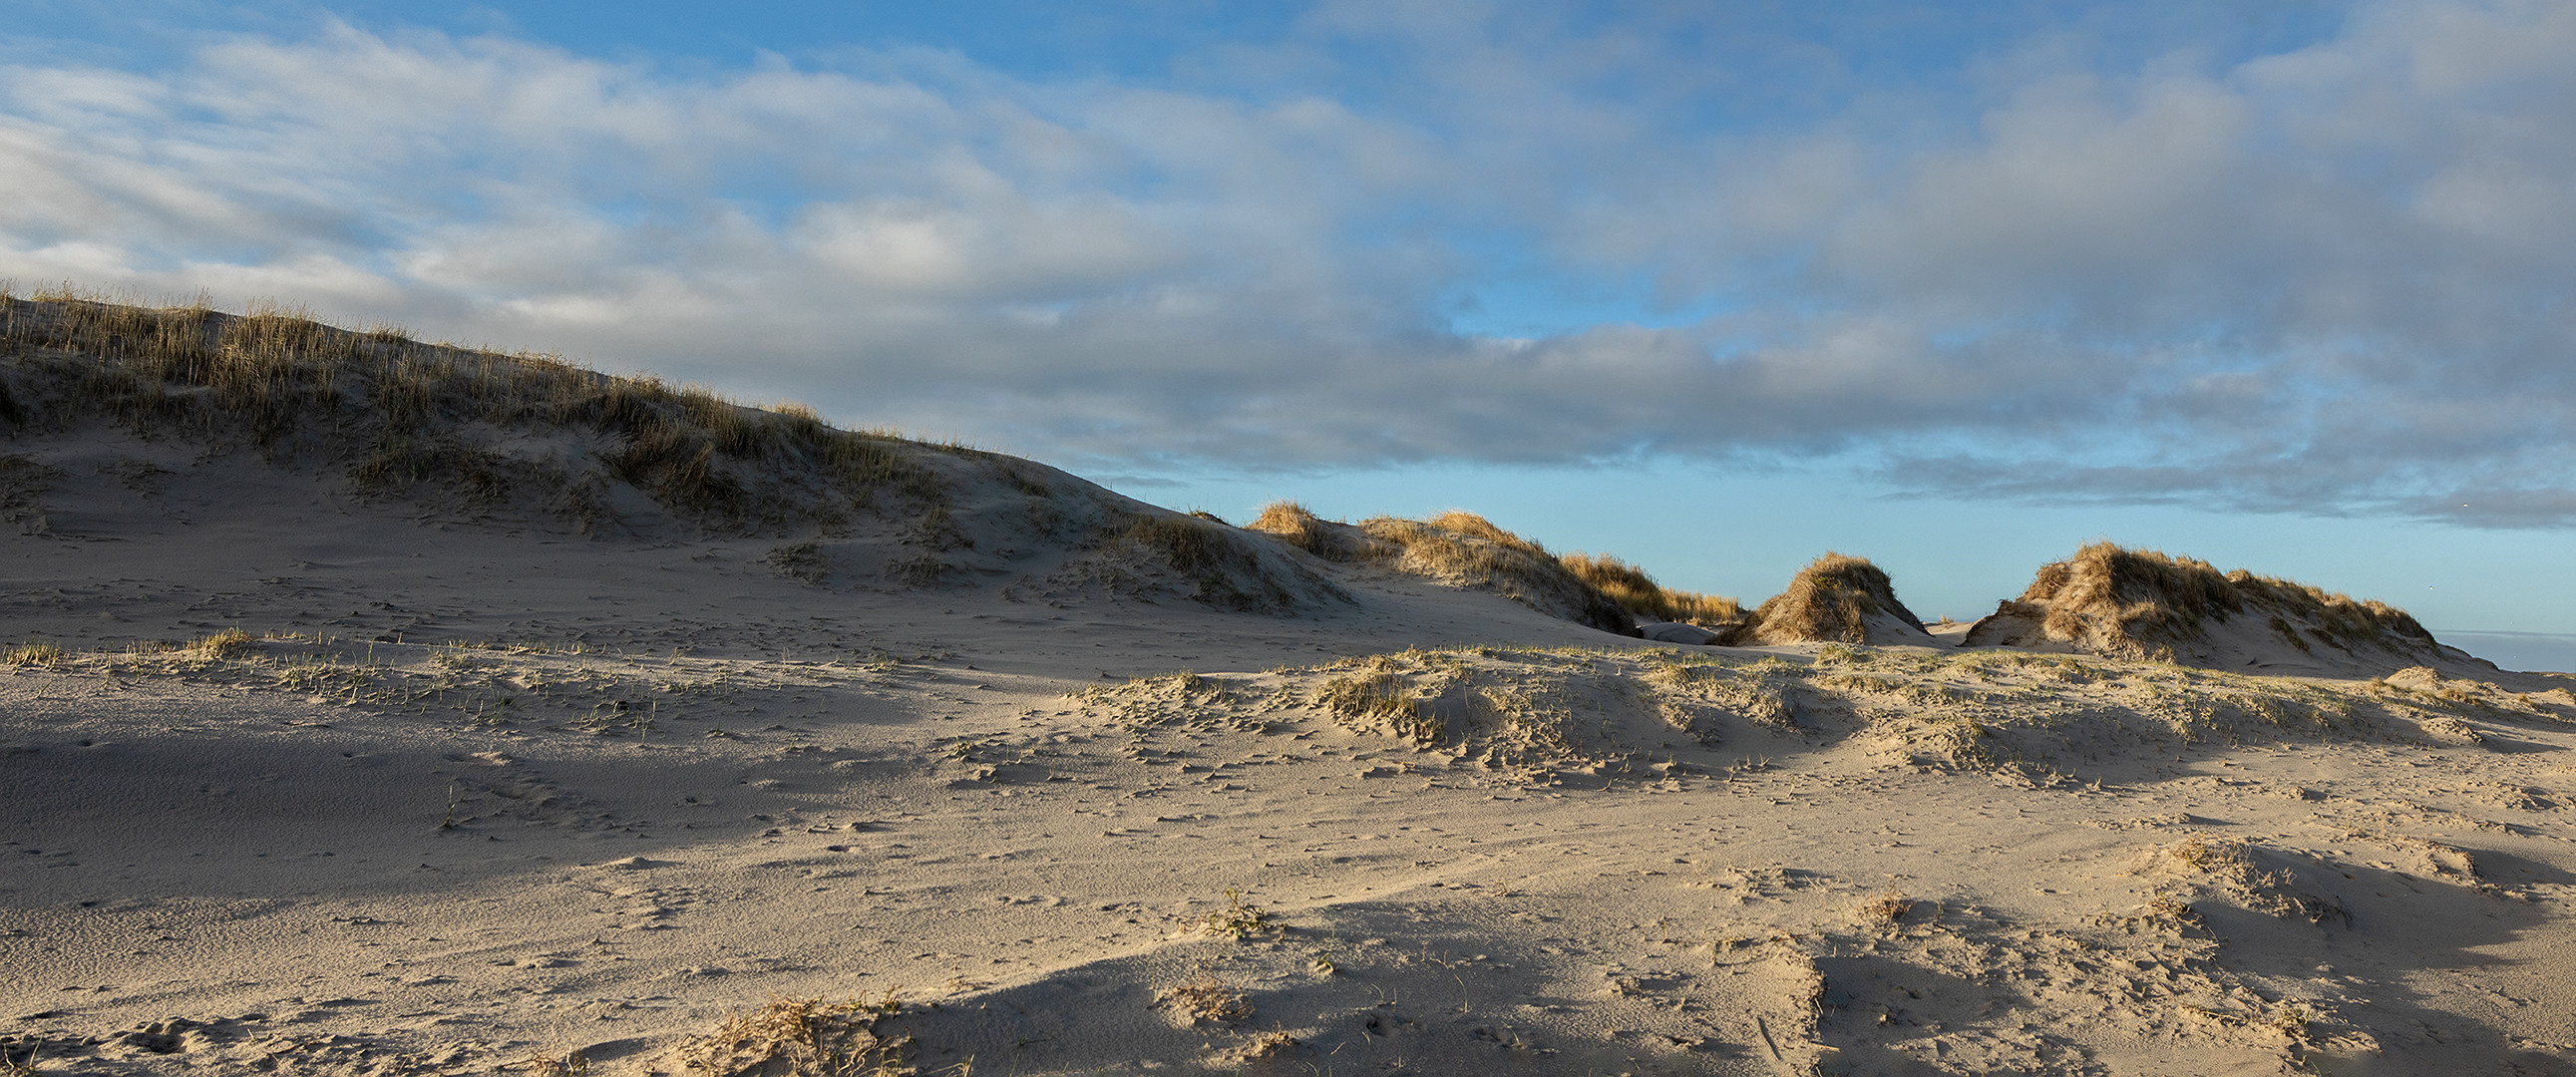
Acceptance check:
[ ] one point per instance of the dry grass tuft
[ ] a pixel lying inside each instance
(33, 654)
(220, 645)
(1381, 697)
(2242, 872)
(1832, 600)
(1209, 999)
(1639, 594)
(1331, 540)
(1883, 910)
(800, 1037)
(1462, 549)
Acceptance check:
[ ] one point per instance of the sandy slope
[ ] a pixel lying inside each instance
(379, 838)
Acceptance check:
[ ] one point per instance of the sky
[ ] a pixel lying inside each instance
(1716, 288)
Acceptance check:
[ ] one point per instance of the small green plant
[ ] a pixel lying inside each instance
(1238, 921)
(2293, 1021)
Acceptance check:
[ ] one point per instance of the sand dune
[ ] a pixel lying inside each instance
(974, 767)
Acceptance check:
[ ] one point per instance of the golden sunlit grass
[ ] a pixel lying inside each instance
(1638, 593)
(1829, 601)
(2147, 604)
(33, 654)
(400, 411)
(1460, 549)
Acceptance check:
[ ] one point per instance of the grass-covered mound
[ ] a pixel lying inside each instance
(1835, 599)
(472, 433)
(442, 422)
(2148, 605)
(1458, 549)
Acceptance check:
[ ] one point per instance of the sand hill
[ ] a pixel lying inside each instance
(2143, 604)
(1836, 599)
(372, 707)
(1457, 549)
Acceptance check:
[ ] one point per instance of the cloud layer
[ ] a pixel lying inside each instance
(2339, 277)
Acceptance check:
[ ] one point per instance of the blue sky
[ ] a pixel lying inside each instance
(1716, 288)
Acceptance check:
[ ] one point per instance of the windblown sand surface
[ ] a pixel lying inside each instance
(466, 797)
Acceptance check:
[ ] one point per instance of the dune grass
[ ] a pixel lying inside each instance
(33, 654)
(1456, 548)
(400, 414)
(1638, 593)
(2149, 604)
(1829, 601)
(1223, 571)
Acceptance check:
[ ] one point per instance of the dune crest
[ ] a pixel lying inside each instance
(1454, 548)
(2147, 605)
(1836, 599)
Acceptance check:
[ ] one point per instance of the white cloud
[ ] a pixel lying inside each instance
(2335, 278)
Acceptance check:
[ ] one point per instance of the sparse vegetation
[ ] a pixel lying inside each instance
(1223, 569)
(1459, 549)
(12, 1065)
(1238, 920)
(2240, 871)
(1883, 910)
(33, 654)
(1206, 998)
(802, 1037)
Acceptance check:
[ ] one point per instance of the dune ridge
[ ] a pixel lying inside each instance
(2145, 604)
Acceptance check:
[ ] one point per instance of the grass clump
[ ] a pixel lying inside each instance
(1380, 698)
(1331, 540)
(1221, 567)
(1207, 998)
(1201, 550)
(218, 646)
(1835, 599)
(1639, 594)
(33, 654)
(801, 1037)
(1455, 548)
(1238, 920)
(1883, 910)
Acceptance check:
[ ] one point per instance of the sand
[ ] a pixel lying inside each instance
(491, 795)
